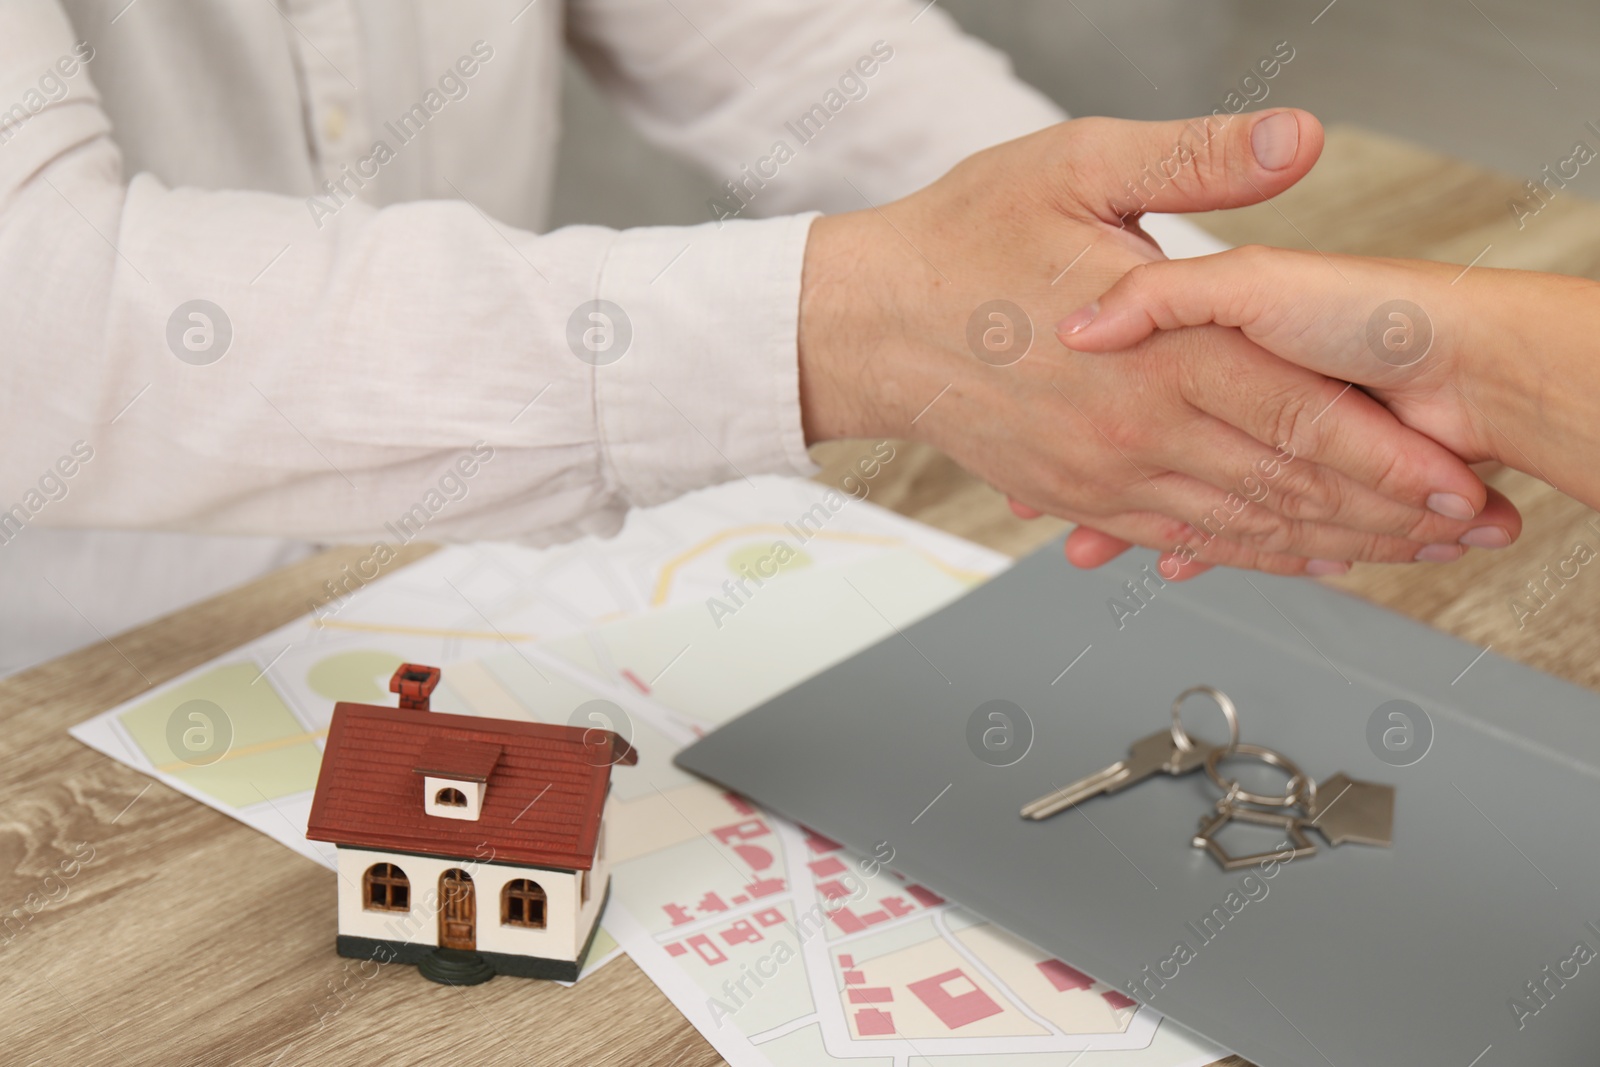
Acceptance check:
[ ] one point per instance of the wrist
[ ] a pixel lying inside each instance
(1523, 369)
(866, 363)
(1473, 334)
(833, 334)
(1455, 393)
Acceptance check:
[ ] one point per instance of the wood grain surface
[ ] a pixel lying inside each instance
(187, 938)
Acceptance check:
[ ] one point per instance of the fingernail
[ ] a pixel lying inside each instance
(1078, 320)
(1275, 140)
(1327, 568)
(1451, 506)
(1439, 554)
(1487, 537)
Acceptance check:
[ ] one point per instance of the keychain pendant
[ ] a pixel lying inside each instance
(1346, 809)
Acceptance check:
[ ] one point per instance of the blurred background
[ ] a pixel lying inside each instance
(1507, 84)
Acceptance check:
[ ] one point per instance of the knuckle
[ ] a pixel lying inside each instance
(1253, 527)
(1253, 258)
(1244, 521)
(1135, 438)
(1310, 493)
(1138, 440)
(1213, 525)
(1283, 537)
(1293, 421)
(1392, 479)
(1298, 507)
(1171, 532)
(1136, 283)
(1186, 377)
(1224, 554)
(1206, 166)
(1426, 528)
(1382, 549)
(1276, 534)
(1252, 558)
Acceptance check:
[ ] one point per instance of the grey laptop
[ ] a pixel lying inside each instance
(1475, 940)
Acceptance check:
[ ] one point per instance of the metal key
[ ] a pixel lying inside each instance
(1149, 756)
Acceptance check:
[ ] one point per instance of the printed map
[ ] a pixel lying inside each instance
(778, 944)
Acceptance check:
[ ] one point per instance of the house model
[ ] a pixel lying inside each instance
(468, 846)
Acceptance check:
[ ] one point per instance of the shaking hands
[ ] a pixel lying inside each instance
(1491, 364)
(1193, 438)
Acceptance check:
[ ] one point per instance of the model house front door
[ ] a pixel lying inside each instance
(457, 910)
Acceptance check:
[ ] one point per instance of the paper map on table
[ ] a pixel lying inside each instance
(778, 945)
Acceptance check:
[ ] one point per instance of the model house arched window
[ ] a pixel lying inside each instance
(385, 887)
(450, 797)
(522, 904)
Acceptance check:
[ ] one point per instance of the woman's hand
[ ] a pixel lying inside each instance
(1441, 347)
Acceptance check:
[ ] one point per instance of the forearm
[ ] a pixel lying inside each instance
(330, 395)
(239, 362)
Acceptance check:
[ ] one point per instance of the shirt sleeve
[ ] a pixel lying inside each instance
(229, 362)
(805, 104)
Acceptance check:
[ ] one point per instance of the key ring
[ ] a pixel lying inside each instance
(1180, 736)
(1292, 792)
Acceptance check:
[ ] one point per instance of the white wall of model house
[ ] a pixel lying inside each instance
(471, 792)
(568, 918)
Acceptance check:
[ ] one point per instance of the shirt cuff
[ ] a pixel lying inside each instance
(707, 388)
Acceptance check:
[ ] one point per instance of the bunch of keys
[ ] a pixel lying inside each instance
(1342, 809)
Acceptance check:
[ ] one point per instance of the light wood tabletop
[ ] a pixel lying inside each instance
(188, 938)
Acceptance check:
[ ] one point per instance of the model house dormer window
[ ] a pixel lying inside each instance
(455, 777)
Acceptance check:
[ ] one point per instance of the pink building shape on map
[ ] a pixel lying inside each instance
(954, 998)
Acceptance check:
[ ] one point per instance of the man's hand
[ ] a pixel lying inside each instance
(1199, 443)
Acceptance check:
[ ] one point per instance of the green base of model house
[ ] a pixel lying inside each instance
(386, 951)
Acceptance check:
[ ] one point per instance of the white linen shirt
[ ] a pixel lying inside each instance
(355, 189)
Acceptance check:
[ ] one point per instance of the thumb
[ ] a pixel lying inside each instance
(1121, 168)
(1225, 289)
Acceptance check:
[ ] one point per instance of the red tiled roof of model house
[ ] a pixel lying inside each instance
(545, 786)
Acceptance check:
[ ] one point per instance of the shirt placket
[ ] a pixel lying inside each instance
(327, 40)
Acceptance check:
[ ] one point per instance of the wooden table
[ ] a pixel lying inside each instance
(190, 939)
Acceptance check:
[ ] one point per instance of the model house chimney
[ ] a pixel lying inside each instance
(415, 683)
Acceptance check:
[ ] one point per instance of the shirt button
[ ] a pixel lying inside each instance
(333, 124)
